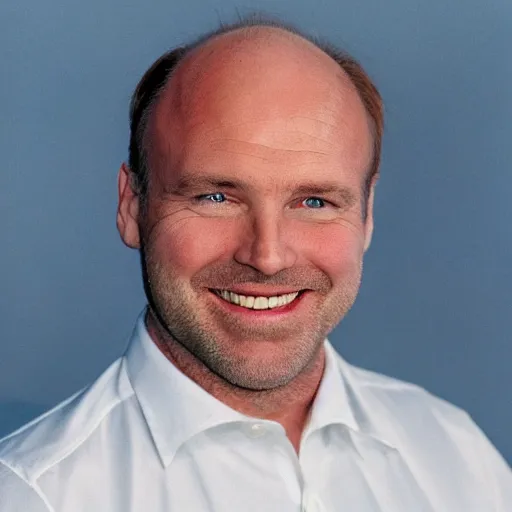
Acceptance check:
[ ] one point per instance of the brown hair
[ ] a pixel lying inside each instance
(157, 76)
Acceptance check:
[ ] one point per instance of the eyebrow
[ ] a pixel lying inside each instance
(191, 183)
(344, 194)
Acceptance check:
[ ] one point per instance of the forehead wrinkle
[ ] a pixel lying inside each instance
(291, 120)
(274, 150)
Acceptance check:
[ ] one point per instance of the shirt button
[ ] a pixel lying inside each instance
(256, 430)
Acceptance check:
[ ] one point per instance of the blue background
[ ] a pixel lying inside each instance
(435, 304)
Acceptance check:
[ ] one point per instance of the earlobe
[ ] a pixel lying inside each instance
(127, 209)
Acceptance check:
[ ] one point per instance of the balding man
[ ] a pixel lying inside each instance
(249, 194)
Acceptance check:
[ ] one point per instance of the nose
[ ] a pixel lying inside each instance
(264, 245)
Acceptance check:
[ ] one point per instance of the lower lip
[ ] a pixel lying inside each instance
(262, 313)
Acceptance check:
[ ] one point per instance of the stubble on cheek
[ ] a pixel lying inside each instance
(227, 345)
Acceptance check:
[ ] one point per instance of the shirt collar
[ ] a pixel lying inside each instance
(331, 405)
(176, 408)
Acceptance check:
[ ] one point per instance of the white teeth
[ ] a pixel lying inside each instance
(273, 302)
(261, 303)
(257, 302)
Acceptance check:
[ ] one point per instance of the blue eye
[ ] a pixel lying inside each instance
(217, 197)
(314, 202)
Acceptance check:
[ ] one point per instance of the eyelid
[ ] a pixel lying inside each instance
(205, 199)
(202, 196)
(323, 199)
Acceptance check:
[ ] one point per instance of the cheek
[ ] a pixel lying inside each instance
(192, 244)
(336, 250)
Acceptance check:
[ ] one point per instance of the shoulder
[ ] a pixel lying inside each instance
(429, 431)
(36, 447)
(408, 416)
(17, 495)
(400, 399)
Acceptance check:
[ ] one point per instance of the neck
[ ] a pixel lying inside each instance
(288, 405)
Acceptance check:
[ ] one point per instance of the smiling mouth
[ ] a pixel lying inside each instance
(257, 302)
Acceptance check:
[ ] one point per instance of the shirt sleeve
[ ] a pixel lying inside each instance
(17, 495)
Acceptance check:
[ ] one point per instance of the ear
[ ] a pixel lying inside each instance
(127, 209)
(368, 229)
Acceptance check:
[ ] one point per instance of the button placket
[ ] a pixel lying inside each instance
(311, 502)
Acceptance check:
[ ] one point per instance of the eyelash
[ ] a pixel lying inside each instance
(205, 198)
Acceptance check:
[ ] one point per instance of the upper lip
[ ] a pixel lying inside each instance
(255, 291)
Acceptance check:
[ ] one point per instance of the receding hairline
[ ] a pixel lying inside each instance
(243, 34)
(178, 92)
(234, 40)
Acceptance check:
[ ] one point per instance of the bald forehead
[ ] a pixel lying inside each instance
(247, 47)
(240, 61)
(264, 78)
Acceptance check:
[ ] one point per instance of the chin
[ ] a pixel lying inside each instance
(264, 365)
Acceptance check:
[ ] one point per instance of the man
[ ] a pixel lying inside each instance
(249, 193)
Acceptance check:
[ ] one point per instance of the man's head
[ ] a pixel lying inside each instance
(252, 173)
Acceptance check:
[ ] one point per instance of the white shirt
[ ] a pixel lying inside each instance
(145, 438)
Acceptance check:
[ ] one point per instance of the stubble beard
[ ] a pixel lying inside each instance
(196, 327)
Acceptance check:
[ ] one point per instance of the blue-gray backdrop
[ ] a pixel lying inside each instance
(435, 304)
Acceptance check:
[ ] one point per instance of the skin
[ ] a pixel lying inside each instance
(267, 117)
